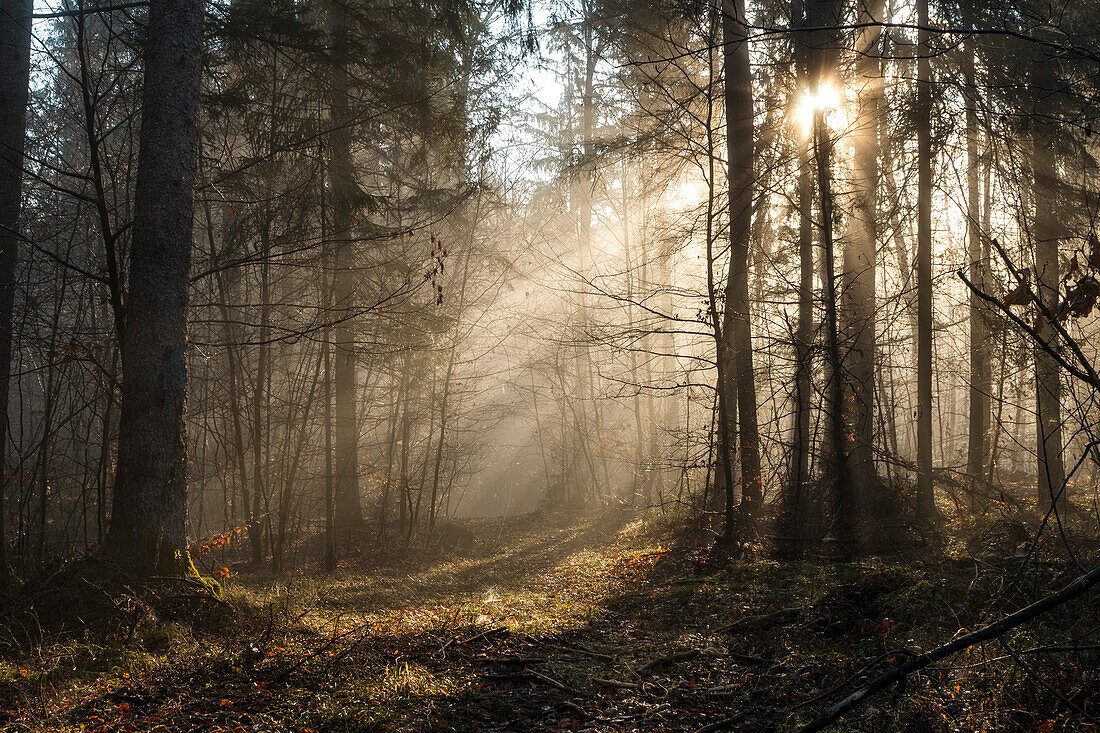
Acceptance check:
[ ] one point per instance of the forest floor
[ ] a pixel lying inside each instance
(609, 622)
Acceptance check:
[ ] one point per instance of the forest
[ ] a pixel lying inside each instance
(549, 365)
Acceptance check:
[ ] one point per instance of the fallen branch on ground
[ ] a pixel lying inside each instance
(667, 659)
(783, 615)
(618, 684)
(720, 724)
(987, 633)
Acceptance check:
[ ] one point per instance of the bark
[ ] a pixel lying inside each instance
(15, 49)
(147, 533)
(348, 509)
(925, 497)
(737, 318)
(795, 498)
(835, 444)
(725, 398)
(1048, 409)
(980, 372)
(859, 273)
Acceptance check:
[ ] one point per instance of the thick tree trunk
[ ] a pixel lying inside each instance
(348, 509)
(859, 275)
(15, 50)
(737, 330)
(147, 533)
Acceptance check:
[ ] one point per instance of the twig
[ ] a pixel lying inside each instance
(783, 615)
(682, 656)
(746, 659)
(511, 660)
(720, 724)
(530, 674)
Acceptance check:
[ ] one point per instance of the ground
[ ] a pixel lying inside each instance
(609, 622)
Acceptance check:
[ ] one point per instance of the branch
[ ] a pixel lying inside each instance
(993, 631)
(88, 11)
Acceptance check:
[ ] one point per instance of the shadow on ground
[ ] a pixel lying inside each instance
(608, 623)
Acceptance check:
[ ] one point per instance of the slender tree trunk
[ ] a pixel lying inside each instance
(148, 533)
(794, 509)
(980, 373)
(348, 507)
(326, 346)
(925, 497)
(725, 398)
(835, 443)
(260, 402)
(584, 194)
(15, 50)
(737, 318)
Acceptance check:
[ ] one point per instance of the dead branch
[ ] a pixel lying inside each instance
(783, 615)
(681, 656)
(987, 633)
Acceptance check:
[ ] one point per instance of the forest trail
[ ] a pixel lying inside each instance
(612, 622)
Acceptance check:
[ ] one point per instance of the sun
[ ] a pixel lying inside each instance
(825, 97)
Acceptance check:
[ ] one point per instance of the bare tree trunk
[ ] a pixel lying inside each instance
(725, 397)
(980, 373)
(794, 509)
(737, 318)
(1048, 408)
(260, 403)
(834, 443)
(148, 533)
(858, 279)
(348, 509)
(925, 497)
(584, 193)
(15, 50)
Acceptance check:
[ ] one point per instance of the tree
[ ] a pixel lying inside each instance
(148, 521)
(15, 65)
(859, 274)
(1046, 233)
(925, 496)
(980, 374)
(737, 322)
(347, 509)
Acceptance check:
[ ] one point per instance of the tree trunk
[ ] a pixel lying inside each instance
(980, 373)
(148, 532)
(737, 321)
(794, 509)
(15, 50)
(1048, 408)
(858, 279)
(348, 509)
(925, 497)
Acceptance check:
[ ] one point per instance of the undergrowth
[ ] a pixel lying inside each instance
(613, 622)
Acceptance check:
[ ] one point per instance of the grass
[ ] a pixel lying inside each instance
(561, 623)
